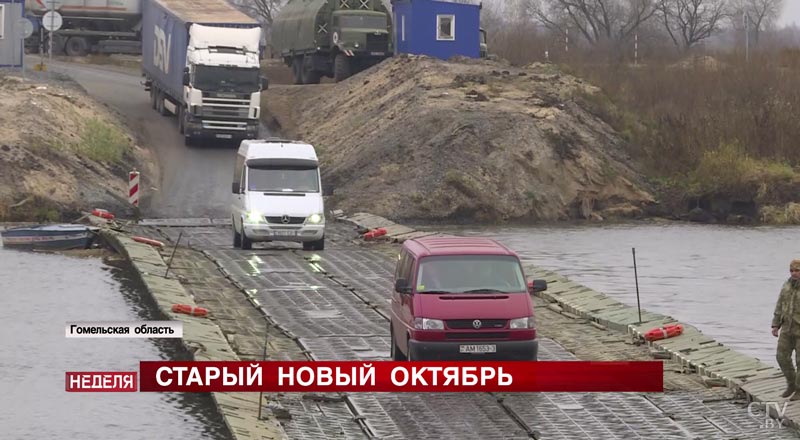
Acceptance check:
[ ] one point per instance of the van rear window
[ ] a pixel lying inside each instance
(470, 274)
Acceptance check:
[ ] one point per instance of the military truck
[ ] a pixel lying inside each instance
(331, 38)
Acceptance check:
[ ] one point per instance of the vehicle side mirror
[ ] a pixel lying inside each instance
(327, 190)
(186, 78)
(235, 188)
(537, 286)
(264, 83)
(401, 286)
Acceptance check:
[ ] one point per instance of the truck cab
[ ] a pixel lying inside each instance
(277, 194)
(362, 39)
(334, 39)
(222, 83)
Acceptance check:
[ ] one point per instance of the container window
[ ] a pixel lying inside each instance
(446, 27)
(2, 21)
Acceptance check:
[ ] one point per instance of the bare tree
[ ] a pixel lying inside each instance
(688, 22)
(761, 14)
(596, 20)
(265, 10)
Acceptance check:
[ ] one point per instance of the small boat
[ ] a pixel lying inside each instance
(49, 237)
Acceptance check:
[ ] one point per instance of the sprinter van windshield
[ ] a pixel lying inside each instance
(283, 179)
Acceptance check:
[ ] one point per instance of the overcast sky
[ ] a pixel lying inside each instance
(791, 12)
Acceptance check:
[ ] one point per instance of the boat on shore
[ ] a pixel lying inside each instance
(56, 237)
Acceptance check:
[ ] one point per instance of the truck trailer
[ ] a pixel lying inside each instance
(331, 38)
(105, 26)
(200, 61)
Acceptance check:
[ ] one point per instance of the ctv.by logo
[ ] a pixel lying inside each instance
(769, 422)
(161, 46)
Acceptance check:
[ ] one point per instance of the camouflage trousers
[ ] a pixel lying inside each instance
(788, 342)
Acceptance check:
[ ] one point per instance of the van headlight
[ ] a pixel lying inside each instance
(315, 219)
(254, 217)
(428, 324)
(523, 323)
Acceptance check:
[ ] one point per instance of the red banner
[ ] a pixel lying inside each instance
(385, 376)
(100, 381)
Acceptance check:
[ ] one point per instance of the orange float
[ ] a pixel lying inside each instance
(102, 213)
(149, 241)
(189, 310)
(665, 332)
(375, 233)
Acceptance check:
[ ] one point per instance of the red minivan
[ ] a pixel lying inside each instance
(462, 298)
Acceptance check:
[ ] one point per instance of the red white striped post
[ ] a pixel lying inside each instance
(133, 188)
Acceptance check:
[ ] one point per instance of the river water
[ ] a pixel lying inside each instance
(39, 293)
(723, 280)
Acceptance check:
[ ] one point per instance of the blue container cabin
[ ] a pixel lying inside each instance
(435, 28)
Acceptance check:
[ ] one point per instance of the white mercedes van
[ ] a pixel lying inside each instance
(277, 194)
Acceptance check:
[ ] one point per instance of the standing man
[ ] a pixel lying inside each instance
(787, 321)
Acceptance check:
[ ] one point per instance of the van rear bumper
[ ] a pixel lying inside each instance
(449, 350)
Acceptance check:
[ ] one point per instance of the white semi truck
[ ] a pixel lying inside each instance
(200, 61)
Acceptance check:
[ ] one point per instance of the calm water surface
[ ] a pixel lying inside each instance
(39, 293)
(723, 280)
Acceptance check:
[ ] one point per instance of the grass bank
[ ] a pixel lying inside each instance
(708, 128)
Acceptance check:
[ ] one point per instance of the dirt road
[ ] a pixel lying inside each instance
(195, 181)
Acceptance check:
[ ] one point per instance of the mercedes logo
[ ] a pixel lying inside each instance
(476, 323)
(285, 219)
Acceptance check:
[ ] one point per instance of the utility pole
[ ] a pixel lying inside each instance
(566, 33)
(636, 49)
(746, 19)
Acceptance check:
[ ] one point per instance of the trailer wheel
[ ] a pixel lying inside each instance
(153, 94)
(341, 67)
(77, 47)
(297, 70)
(162, 109)
(179, 117)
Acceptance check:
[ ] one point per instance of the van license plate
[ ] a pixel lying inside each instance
(225, 136)
(478, 348)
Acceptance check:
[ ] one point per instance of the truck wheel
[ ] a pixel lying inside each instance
(247, 244)
(341, 68)
(77, 47)
(153, 99)
(179, 117)
(237, 238)
(397, 355)
(311, 76)
(297, 69)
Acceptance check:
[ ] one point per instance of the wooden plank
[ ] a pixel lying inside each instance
(369, 221)
(731, 369)
(771, 386)
(695, 352)
(394, 230)
(702, 354)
